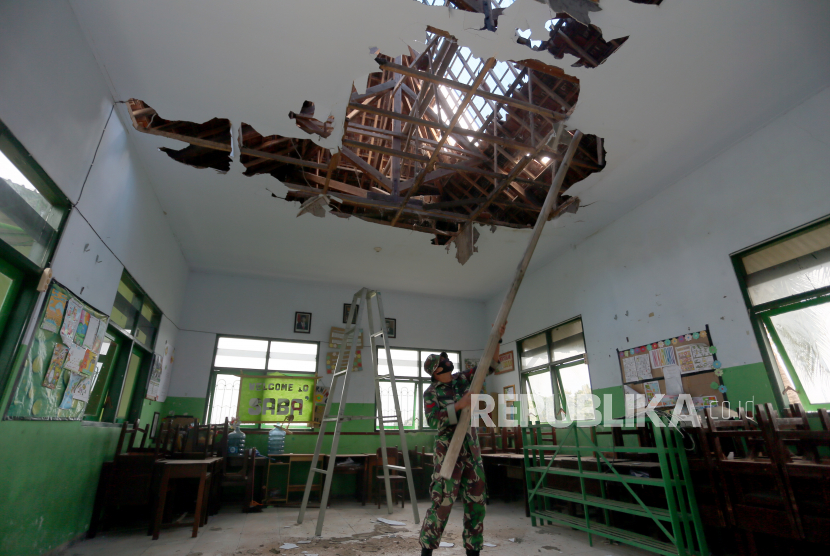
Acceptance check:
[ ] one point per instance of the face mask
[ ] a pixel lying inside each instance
(446, 367)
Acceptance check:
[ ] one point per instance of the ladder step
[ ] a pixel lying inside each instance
(338, 373)
(383, 376)
(389, 418)
(376, 334)
(397, 468)
(321, 471)
(351, 418)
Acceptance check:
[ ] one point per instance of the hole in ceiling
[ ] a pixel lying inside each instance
(568, 34)
(209, 143)
(400, 164)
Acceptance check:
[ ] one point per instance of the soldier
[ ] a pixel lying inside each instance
(443, 401)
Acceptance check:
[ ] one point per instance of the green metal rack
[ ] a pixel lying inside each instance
(679, 521)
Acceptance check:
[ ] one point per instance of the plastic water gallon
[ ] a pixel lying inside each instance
(276, 440)
(236, 442)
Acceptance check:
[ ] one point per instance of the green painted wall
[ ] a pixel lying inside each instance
(305, 443)
(49, 476)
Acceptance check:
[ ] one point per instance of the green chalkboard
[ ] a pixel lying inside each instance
(48, 386)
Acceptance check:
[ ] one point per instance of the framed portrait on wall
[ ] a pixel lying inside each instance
(391, 328)
(348, 307)
(506, 362)
(302, 323)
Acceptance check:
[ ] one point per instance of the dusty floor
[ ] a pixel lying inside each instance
(350, 530)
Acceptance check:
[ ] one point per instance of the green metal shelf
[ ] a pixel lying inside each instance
(613, 533)
(679, 521)
(599, 502)
(598, 476)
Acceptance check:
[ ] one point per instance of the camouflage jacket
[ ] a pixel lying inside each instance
(439, 406)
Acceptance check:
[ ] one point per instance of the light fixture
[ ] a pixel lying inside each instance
(377, 249)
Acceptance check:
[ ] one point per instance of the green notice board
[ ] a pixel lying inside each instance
(61, 364)
(272, 398)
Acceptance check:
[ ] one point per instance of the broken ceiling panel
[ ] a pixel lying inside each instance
(438, 140)
(308, 123)
(209, 143)
(569, 28)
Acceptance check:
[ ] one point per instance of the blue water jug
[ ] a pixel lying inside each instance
(236, 442)
(276, 440)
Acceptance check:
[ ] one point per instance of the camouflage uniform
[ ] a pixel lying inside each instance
(468, 474)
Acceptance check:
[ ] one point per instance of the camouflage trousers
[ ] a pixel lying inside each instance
(468, 482)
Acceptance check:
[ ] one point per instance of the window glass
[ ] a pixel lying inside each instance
(408, 400)
(541, 403)
(28, 221)
(293, 356)
(576, 383)
(106, 362)
(805, 335)
(404, 362)
(225, 398)
(240, 353)
(535, 351)
(568, 340)
(793, 266)
(129, 384)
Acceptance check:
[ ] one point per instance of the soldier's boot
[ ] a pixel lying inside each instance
(472, 552)
(426, 552)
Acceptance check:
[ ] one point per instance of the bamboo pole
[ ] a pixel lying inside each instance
(484, 363)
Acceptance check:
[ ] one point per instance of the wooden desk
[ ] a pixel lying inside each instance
(251, 489)
(514, 467)
(181, 469)
(286, 460)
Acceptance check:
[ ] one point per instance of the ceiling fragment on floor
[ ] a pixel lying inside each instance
(439, 139)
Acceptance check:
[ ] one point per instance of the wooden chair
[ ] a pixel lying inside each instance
(487, 440)
(125, 481)
(239, 477)
(711, 491)
(131, 432)
(806, 473)
(397, 481)
(760, 500)
(511, 440)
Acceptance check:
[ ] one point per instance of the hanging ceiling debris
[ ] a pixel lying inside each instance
(439, 139)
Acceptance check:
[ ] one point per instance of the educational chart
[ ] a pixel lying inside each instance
(61, 365)
(673, 366)
(154, 384)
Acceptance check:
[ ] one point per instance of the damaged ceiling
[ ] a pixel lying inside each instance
(400, 163)
(327, 99)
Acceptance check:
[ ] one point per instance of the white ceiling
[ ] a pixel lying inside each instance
(694, 78)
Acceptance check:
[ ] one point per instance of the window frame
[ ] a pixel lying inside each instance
(759, 315)
(139, 292)
(214, 371)
(553, 367)
(22, 309)
(421, 379)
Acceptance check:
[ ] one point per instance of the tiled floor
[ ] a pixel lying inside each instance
(350, 530)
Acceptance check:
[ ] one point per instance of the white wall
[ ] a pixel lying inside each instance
(222, 304)
(670, 256)
(55, 100)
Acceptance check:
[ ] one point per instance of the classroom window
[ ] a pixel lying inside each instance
(135, 313)
(236, 356)
(411, 383)
(554, 373)
(32, 213)
(786, 286)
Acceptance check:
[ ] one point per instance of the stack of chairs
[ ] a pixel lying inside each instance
(766, 476)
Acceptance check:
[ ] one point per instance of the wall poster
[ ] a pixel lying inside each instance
(59, 369)
(683, 364)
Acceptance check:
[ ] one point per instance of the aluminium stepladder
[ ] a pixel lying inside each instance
(362, 300)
